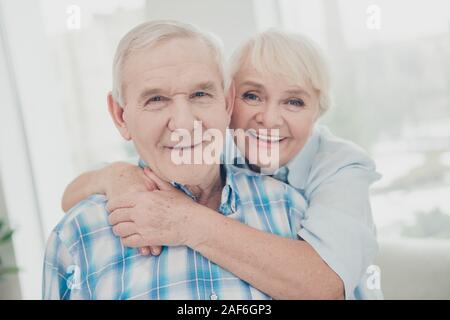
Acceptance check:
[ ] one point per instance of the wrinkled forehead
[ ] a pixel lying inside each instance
(173, 64)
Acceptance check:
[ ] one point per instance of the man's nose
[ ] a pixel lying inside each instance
(182, 116)
(270, 116)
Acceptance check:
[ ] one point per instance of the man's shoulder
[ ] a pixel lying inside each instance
(87, 217)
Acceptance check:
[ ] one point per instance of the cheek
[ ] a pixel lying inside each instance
(242, 115)
(146, 131)
(301, 128)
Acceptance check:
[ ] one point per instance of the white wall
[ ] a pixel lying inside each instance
(233, 21)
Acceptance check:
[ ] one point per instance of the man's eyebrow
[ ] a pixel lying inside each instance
(206, 86)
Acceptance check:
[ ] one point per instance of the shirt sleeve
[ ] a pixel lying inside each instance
(61, 273)
(339, 225)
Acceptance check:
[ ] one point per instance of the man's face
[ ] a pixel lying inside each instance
(166, 88)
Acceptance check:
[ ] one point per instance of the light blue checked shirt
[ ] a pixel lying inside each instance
(85, 260)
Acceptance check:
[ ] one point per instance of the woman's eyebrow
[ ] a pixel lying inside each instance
(252, 84)
(298, 91)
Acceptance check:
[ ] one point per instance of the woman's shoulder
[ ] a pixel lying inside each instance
(340, 152)
(335, 154)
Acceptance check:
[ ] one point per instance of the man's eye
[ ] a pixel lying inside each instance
(296, 102)
(199, 94)
(250, 96)
(155, 99)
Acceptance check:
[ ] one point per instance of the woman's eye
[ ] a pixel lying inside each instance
(250, 96)
(296, 102)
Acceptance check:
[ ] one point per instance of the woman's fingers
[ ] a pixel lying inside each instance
(124, 229)
(119, 215)
(133, 241)
(162, 185)
(156, 250)
(145, 251)
(125, 201)
(150, 185)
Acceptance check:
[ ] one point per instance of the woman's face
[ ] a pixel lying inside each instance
(265, 101)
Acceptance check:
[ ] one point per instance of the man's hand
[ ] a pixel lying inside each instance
(162, 217)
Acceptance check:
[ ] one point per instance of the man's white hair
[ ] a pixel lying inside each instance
(289, 55)
(153, 32)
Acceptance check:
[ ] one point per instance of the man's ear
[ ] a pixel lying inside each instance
(117, 114)
(230, 98)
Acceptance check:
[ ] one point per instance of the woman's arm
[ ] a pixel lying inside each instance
(281, 267)
(80, 188)
(339, 239)
(114, 179)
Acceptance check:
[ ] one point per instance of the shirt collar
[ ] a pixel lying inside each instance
(230, 196)
(177, 185)
(300, 166)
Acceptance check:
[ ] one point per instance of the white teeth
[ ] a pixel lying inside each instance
(265, 138)
(271, 139)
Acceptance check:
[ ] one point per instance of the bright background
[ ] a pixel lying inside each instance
(391, 69)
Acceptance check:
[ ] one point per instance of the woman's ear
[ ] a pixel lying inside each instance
(117, 113)
(231, 95)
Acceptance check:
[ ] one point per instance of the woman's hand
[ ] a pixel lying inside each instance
(163, 217)
(122, 179)
(114, 180)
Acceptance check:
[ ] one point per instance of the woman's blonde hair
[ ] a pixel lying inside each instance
(289, 55)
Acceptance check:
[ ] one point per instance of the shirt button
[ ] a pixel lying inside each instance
(213, 296)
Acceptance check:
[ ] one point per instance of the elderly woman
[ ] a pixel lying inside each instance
(279, 81)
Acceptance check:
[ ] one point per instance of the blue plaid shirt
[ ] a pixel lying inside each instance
(85, 260)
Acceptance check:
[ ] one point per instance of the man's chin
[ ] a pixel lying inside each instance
(189, 174)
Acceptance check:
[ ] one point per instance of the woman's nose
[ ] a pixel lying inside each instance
(270, 117)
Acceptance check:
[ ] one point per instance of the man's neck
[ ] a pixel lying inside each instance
(209, 193)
